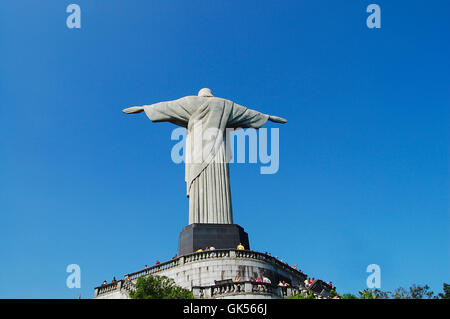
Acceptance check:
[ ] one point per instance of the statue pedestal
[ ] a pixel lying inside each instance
(220, 236)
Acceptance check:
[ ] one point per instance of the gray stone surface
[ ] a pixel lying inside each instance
(207, 174)
(205, 268)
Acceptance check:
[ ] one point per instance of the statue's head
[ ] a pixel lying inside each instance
(205, 92)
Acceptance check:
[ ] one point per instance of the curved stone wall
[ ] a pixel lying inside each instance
(203, 269)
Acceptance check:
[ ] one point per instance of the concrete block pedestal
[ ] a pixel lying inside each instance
(220, 236)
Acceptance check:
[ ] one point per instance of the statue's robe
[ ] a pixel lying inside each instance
(207, 172)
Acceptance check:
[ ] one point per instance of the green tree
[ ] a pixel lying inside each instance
(414, 292)
(159, 287)
(366, 294)
(446, 294)
(420, 292)
(373, 294)
(298, 296)
(310, 295)
(400, 293)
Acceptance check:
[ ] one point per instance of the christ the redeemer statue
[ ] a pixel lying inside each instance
(207, 173)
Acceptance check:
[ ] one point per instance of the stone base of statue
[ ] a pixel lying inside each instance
(214, 274)
(219, 236)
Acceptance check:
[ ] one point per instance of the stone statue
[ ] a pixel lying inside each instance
(207, 173)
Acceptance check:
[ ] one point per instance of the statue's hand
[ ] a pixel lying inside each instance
(133, 109)
(277, 119)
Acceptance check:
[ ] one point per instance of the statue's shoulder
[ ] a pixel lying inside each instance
(213, 99)
(221, 100)
(213, 103)
(190, 98)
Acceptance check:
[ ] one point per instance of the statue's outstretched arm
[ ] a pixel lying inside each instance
(133, 109)
(176, 112)
(277, 119)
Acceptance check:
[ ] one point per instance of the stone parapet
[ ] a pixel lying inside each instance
(201, 271)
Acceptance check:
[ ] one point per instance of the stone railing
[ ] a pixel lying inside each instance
(222, 289)
(198, 257)
(264, 257)
(212, 254)
(125, 284)
(154, 269)
(249, 287)
(104, 289)
(128, 285)
(208, 254)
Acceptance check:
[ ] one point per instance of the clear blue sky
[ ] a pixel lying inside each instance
(364, 159)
